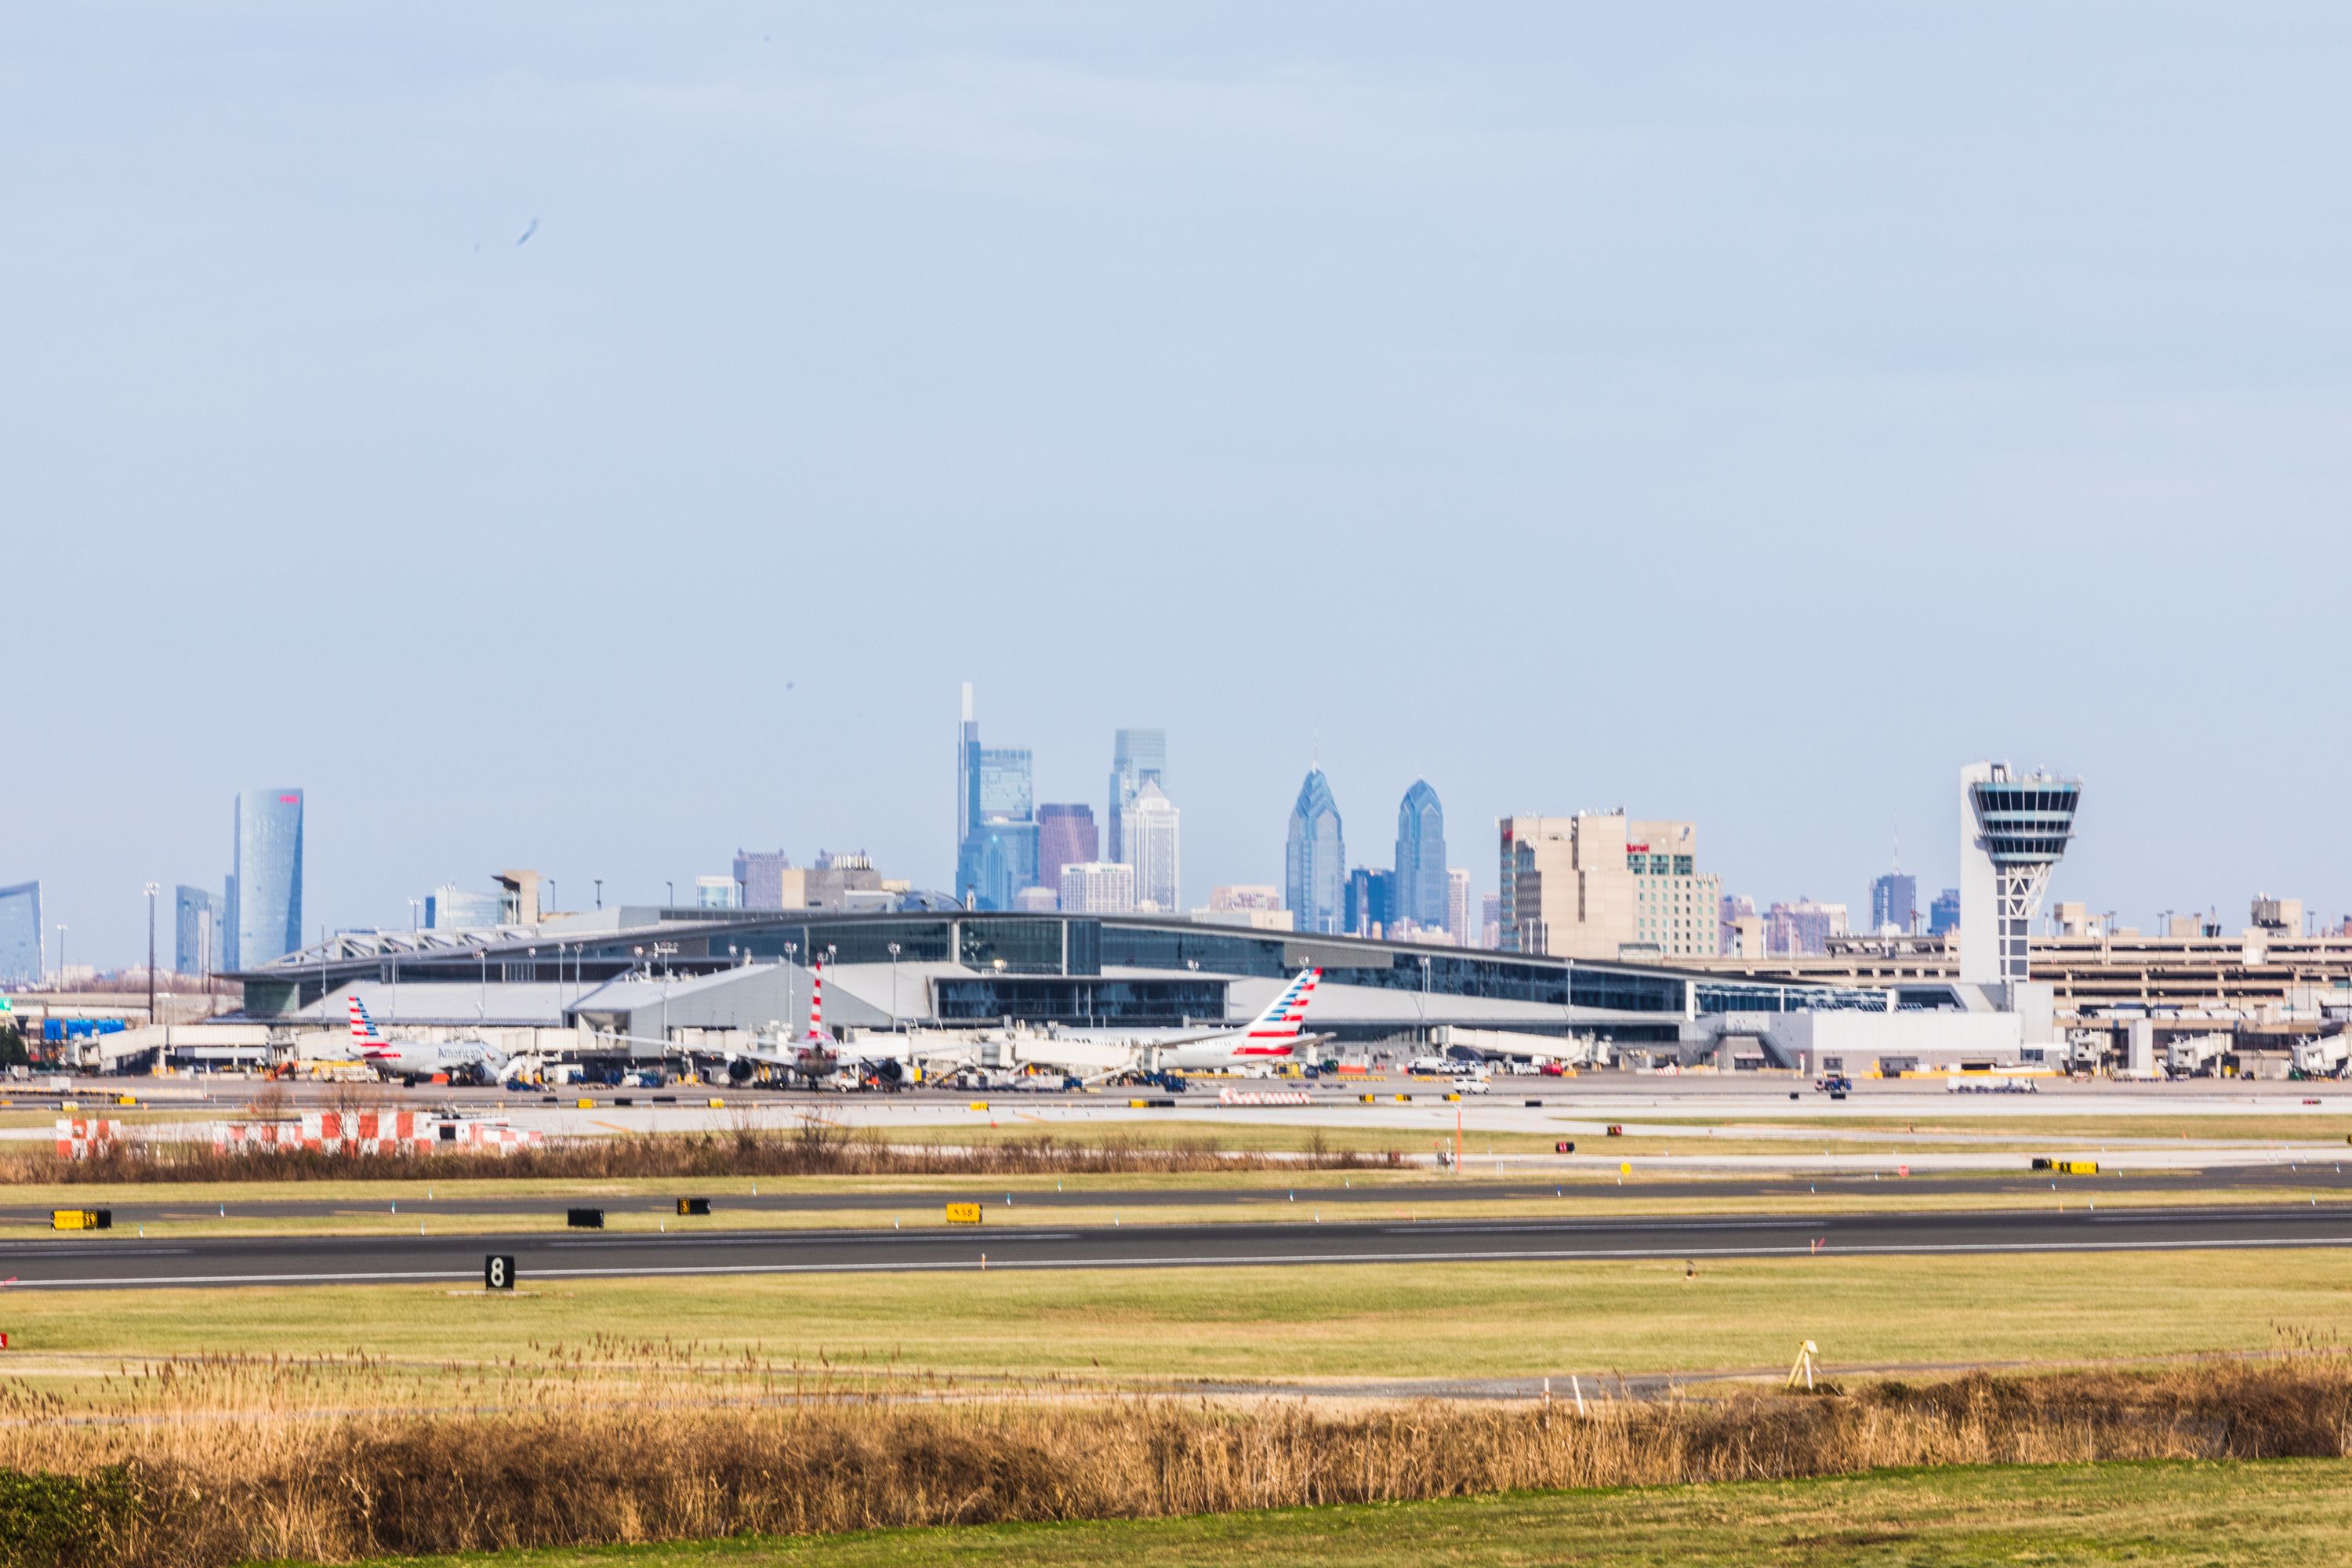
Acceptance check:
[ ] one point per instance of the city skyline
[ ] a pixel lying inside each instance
(1637, 310)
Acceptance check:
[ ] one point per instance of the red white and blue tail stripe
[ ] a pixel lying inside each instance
(1287, 1017)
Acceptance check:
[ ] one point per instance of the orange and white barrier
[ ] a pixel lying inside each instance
(1264, 1097)
(80, 1137)
(373, 1132)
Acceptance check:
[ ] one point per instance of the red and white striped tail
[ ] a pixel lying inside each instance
(816, 1001)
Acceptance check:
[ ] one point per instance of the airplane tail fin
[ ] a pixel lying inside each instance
(1284, 1020)
(363, 1026)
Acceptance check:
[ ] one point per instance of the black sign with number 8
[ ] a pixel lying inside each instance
(497, 1273)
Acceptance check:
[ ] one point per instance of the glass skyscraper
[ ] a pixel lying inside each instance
(196, 927)
(1065, 837)
(1138, 757)
(1420, 894)
(996, 848)
(265, 891)
(20, 934)
(1893, 903)
(1315, 858)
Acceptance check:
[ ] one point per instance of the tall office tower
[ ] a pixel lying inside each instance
(762, 874)
(1490, 921)
(1065, 837)
(1893, 904)
(196, 925)
(1097, 888)
(266, 891)
(2013, 829)
(967, 775)
(1420, 895)
(996, 855)
(1590, 885)
(1148, 832)
(1944, 914)
(1314, 857)
(1138, 757)
(1369, 906)
(21, 953)
(1457, 907)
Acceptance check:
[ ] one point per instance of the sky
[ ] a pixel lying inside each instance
(597, 438)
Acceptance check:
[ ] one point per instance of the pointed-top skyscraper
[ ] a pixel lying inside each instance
(1421, 893)
(1315, 861)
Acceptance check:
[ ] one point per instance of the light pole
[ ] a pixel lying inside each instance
(61, 955)
(151, 890)
(790, 948)
(482, 954)
(548, 904)
(894, 987)
(670, 902)
(600, 891)
(413, 906)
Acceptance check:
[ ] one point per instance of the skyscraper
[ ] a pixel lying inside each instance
(996, 851)
(1148, 831)
(1065, 837)
(1893, 903)
(1457, 907)
(265, 917)
(1944, 914)
(1138, 757)
(1420, 895)
(1314, 857)
(21, 953)
(196, 929)
(1370, 905)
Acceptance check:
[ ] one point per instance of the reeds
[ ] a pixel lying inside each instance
(228, 1459)
(808, 1147)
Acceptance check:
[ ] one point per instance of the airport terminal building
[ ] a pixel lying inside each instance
(654, 974)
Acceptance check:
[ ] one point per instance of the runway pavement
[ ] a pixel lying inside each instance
(110, 1261)
(2253, 1180)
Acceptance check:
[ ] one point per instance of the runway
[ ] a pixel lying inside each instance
(109, 1260)
(2255, 1181)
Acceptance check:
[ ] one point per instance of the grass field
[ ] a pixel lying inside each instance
(1370, 1322)
(2287, 1513)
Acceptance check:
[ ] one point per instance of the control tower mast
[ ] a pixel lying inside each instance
(2014, 830)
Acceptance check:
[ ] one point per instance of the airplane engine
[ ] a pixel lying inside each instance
(739, 1071)
(889, 1072)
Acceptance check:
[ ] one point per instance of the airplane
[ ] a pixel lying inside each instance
(410, 1061)
(1274, 1035)
(817, 1058)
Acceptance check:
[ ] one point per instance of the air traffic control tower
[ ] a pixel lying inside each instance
(2013, 829)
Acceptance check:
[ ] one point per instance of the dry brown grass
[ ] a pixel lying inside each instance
(224, 1460)
(810, 1147)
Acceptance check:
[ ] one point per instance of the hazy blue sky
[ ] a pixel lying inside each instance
(1743, 413)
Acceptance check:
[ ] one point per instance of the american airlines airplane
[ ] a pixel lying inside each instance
(817, 1058)
(411, 1060)
(1274, 1035)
